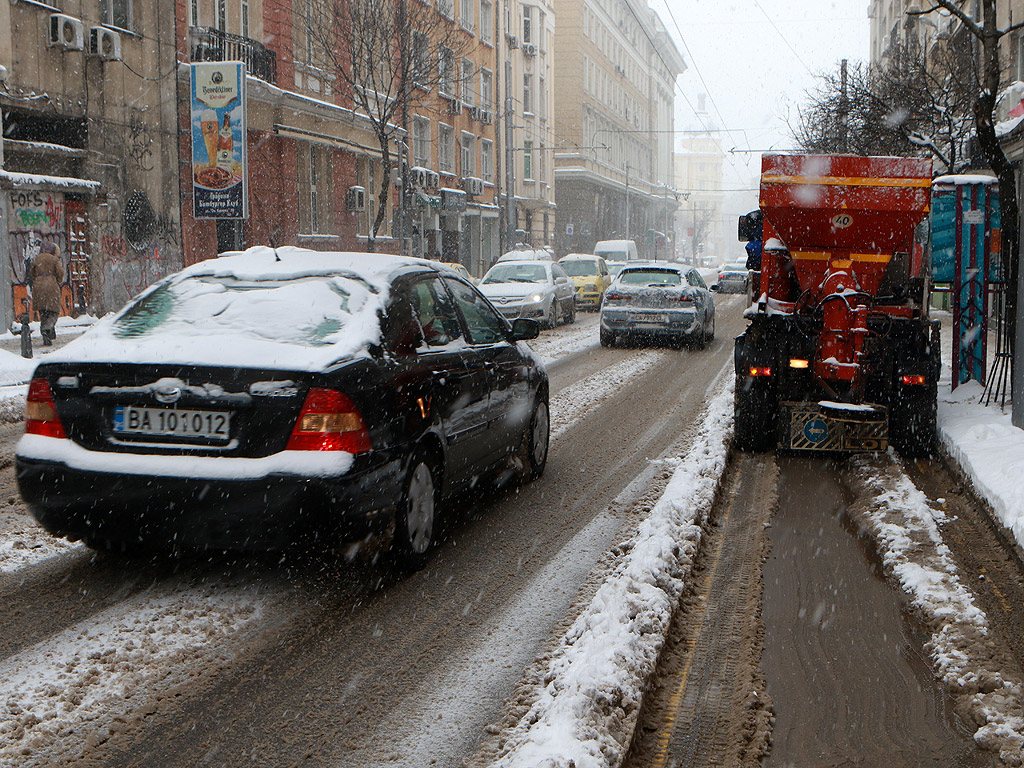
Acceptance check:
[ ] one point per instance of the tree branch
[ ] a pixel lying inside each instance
(967, 21)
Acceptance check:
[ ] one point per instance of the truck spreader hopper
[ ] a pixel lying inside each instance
(839, 314)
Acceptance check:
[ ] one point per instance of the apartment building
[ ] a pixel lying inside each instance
(615, 72)
(529, 110)
(89, 148)
(453, 144)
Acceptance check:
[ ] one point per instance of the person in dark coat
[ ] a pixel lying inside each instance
(47, 278)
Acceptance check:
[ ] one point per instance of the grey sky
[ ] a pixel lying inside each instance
(757, 59)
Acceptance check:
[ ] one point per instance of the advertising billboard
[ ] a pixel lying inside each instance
(220, 185)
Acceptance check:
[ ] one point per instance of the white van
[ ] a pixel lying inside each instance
(616, 250)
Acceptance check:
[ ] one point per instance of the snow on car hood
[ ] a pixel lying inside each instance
(284, 308)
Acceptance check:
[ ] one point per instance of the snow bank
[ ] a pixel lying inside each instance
(596, 677)
(907, 532)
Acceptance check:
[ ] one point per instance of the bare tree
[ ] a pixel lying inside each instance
(905, 107)
(986, 31)
(389, 57)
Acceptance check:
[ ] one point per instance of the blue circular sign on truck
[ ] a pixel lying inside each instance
(815, 431)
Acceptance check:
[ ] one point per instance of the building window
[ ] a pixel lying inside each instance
(528, 160)
(541, 163)
(245, 18)
(117, 13)
(487, 160)
(314, 189)
(468, 159)
(542, 98)
(446, 73)
(486, 89)
(540, 29)
(193, 13)
(445, 149)
(421, 142)
(446, 8)
(527, 93)
(487, 21)
(468, 90)
(466, 10)
(222, 15)
(527, 24)
(420, 64)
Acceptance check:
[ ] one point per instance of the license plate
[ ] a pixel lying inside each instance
(171, 422)
(648, 318)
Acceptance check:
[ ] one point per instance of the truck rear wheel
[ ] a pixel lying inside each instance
(756, 415)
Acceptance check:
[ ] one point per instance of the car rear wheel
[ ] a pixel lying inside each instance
(537, 439)
(551, 316)
(416, 520)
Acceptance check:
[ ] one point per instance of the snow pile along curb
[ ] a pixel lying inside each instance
(595, 680)
(906, 529)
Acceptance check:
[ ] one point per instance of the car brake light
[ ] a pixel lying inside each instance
(686, 299)
(911, 380)
(329, 421)
(760, 371)
(40, 411)
(614, 296)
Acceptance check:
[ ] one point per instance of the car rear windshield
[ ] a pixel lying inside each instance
(309, 311)
(517, 273)
(580, 268)
(650, 277)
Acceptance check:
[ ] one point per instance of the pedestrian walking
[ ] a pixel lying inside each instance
(47, 278)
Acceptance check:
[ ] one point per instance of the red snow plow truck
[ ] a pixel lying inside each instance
(839, 353)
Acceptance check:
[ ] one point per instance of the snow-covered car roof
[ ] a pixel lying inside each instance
(526, 254)
(580, 257)
(285, 308)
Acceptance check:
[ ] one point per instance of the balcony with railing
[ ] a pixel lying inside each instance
(211, 44)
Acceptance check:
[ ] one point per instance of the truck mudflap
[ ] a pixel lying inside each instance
(840, 427)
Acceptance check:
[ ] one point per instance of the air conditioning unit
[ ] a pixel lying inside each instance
(473, 186)
(454, 107)
(529, 49)
(513, 41)
(433, 180)
(355, 199)
(418, 177)
(105, 43)
(485, 116)
(66, 32)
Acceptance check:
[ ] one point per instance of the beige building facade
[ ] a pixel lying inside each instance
(615, 72)
(700, 229)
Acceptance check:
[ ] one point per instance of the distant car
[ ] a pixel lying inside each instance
(733, 278)
(461, 269)
(253, 399)
(614, 267)
(539, 290)
(658, 301)
(590, 275)
(527, 254)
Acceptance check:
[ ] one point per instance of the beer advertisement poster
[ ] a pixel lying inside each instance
(220, 188)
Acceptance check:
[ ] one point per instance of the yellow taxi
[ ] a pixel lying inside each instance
(589, 273)
(460, 269)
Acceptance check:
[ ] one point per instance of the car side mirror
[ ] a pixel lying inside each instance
(715, 287)
(524, 329)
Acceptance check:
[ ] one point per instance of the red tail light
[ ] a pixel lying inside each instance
(40, 411)
(329, 421)
(614, 296)
(912, 380)
(685, 299)
(760, 371)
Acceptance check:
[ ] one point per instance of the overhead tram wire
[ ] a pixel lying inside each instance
(784, 38)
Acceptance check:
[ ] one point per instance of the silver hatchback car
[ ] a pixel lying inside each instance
(658, 301)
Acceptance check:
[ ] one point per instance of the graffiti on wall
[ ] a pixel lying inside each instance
(36, 216)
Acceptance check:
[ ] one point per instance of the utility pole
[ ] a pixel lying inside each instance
(510, 175)
(626, 228)
(844, 109)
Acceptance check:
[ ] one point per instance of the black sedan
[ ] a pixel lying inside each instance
(658, 301)
(256, 398)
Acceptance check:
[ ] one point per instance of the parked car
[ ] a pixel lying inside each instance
(732, 278)
(249, 400)
(590, 276)
(616, 250)
(664, 301)
(527, 254)
(461, 269)
(539, 290)
(614, 267)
